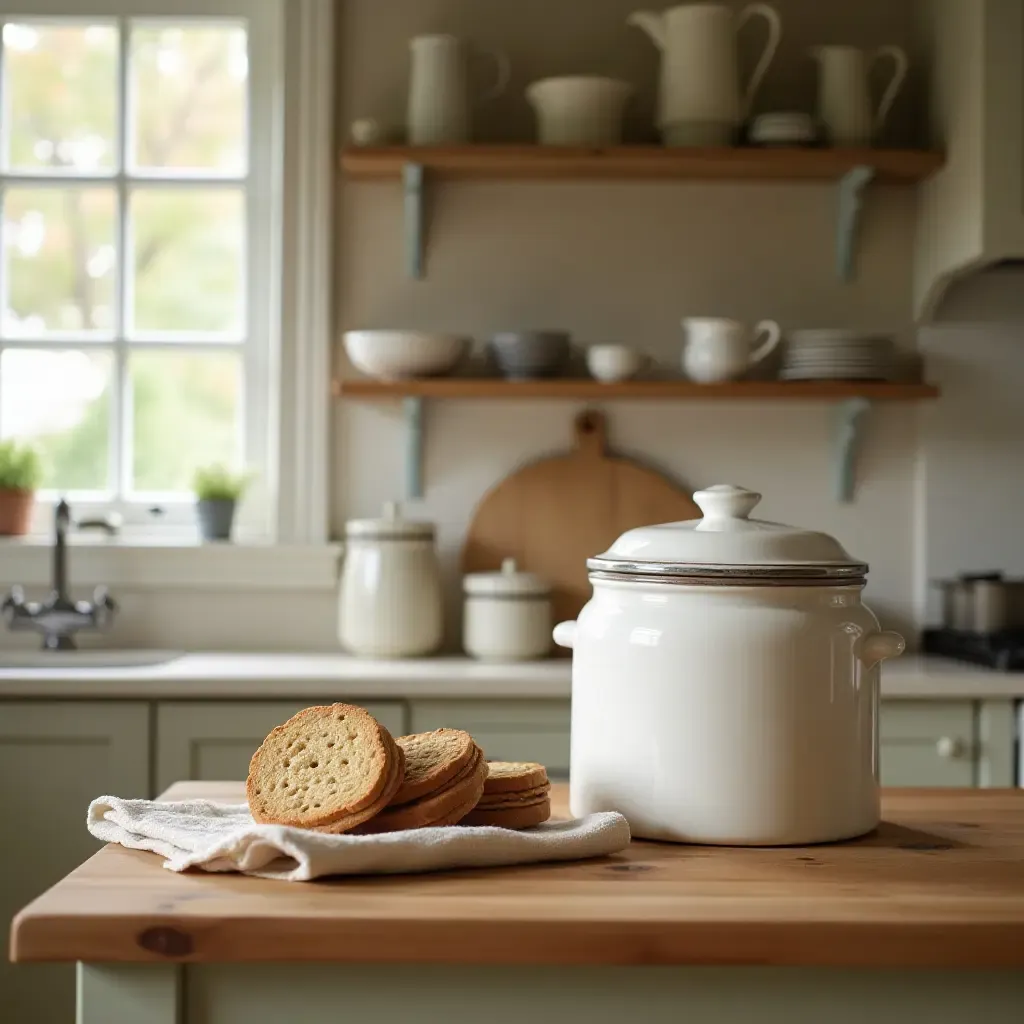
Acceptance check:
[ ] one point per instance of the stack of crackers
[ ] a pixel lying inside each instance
(337, 769)
(516, 794)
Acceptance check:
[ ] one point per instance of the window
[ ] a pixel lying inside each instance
(138, 178)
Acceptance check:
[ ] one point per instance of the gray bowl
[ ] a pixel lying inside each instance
(526, 355)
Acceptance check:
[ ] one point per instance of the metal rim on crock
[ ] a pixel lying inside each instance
(765, 575)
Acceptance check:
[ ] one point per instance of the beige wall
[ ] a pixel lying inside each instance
(623, 262)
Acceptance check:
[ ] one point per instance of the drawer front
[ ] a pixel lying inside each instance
(214, 741)
(925, 743)
(508, 730)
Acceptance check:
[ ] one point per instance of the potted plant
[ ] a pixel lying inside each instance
(20, 473)
(217, 492)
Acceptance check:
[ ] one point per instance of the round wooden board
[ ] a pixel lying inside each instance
(552, 515)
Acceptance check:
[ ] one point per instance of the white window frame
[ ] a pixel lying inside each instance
(260, 516)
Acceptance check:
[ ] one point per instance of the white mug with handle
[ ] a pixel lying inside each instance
(718, 349)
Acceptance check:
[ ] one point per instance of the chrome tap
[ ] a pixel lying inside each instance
(58, 618)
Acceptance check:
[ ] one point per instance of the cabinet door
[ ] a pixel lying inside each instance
(508, 730)
(214, 741)
(54, 759)
(927, 743)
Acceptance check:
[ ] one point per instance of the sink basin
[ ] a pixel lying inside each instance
(85, 659)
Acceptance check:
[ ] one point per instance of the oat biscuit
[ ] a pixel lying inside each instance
(514, 776)
(524, 796)
(432, 760)
(351, 822)
(510, 817)
(455, 799)
(322, 765)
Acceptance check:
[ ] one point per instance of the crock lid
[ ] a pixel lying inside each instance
(508, 582)
(390, 525)
(728, 543)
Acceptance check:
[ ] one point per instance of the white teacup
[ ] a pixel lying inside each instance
(718, 349)
(611, 363)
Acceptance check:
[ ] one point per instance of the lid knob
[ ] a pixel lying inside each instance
(508, 566)
(726, 501)
(391, 510)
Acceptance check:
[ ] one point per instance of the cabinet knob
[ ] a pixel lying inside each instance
(948, 747)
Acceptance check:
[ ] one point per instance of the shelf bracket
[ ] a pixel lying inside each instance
(412, 181)
(850, 418)
(413, 408)
(851, 199)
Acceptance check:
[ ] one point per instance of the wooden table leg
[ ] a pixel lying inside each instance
(128, 994)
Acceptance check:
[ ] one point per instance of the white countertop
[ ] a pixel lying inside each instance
(337, 676)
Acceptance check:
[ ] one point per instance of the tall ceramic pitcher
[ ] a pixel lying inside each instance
(440, 104)
(699, 68)
(844, 99)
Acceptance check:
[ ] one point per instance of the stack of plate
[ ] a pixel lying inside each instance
(837, 355)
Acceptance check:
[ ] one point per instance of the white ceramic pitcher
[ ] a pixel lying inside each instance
(844, 98)
(719, 349)
(699, 70)
(440, 105)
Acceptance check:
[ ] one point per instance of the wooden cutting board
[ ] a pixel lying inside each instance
(552, 515)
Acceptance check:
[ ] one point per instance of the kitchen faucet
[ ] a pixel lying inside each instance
(58, 618)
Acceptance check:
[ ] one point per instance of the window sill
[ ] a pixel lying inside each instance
(171, 562)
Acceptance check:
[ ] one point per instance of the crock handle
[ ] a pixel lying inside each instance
(876, 647)
(565, 633)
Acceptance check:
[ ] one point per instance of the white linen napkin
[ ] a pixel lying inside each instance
(223, 837)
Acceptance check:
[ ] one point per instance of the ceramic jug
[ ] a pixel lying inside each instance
(718, 349)
(699, 69)
(844, 99)
(440, 105)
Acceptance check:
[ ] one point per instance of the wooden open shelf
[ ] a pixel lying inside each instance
(901, 166)
(591, 390)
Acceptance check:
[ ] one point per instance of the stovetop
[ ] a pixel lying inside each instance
(1003, 651)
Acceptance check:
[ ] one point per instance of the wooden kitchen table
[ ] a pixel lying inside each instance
(923, 920)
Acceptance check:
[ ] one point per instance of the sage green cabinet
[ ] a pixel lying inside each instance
(508, 730)
(54, 759)
(927, 744)
(214, 740)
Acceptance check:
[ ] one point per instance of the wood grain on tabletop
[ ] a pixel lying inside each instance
(941, 884)
(554, 514)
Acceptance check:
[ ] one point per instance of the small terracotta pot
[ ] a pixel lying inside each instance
(15, 512)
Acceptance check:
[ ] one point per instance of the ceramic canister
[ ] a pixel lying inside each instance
(507, 615)
(725, 682)
(390, 600)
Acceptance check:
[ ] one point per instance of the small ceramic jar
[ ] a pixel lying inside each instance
(507, 615)
(389, 601)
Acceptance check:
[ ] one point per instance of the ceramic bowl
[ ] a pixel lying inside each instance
(394, 355)
(524, 355)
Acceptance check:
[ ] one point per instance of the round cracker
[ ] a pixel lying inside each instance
(461, 794)
(394, 780)
(432, 760)
(323, 764)
(525, 796)
(512, 817)
(509, 776)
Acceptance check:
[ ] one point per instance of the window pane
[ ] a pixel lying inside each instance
(188, 89)
(187, 256)
(59, 260)
(60, 83)
(60, 401)
(186, 408)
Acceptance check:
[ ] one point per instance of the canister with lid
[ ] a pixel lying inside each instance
(390, 601)
(507, 615)
(725, 682)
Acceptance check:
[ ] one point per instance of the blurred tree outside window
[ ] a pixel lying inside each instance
(124, 323)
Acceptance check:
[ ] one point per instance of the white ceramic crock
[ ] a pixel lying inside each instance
(389, 599)
(725, 682)
(507, 615)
